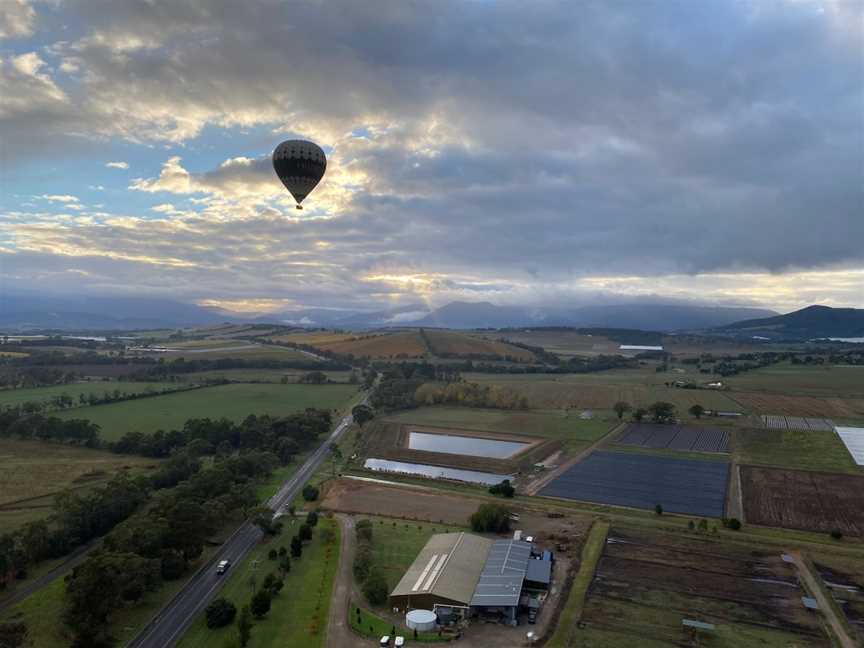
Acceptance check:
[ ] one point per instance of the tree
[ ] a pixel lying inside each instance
(836, 534)
(314, 378)
(658, 509)
(375, 588)
(362, 414)
(490, 518)
(260, 604)
(662, 412)
(262, 517)
(244, 626)
(639, 413)
(296, 547)
(310, 493)
(220, 613)
(696, 410)
(284, 565)
(312, 518)
(732, 523)
(621, 408)
(13, 634)
(504, 488)
(305, 532)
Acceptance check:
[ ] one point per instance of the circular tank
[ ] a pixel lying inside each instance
(421, 620)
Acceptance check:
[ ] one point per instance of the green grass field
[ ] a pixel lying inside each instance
(789, 449)
(396, 543)
(806, 380)
(234, 401)
(11, 397)
(552, 424)
(237, 349)
(34, 471)
(572, 611)
(299, 614)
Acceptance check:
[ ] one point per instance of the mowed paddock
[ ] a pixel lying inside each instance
(647, 582)
(809, 501)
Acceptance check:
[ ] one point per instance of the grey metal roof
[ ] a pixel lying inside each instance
(448, 566)
(539, 571)
(810, 603)
(501, 579)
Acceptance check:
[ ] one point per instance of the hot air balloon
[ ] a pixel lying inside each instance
(300, 166)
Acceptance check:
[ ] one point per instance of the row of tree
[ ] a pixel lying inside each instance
(471, 395)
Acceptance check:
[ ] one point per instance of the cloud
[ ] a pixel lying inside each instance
(117, 165)
(17, 19)
(63, 198)
(475, 151)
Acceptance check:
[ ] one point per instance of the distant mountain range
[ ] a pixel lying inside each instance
(22, 313)
(805, 324)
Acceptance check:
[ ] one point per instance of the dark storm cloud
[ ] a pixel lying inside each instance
(537, 142)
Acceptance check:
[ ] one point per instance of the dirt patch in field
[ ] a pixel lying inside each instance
(801, 405)
(394, 345)
(368, 498)
(810, 501)
(647, 582)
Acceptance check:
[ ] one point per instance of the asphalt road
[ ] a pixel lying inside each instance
(168, 626)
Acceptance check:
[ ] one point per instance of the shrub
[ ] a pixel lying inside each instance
(837, 534)
(310, 493)
(734, 524)
(375, 588)
(364, 531)
(220, 613)
(658, 509)
(272, 554)
(504, 488)
(312, 518)
(260, 604)
(362, 563)
(490, 518)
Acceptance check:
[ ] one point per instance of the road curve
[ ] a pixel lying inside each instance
(171, 622)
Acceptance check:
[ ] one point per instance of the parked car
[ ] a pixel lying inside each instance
(223, 566)
(399, 642)
(385, 641)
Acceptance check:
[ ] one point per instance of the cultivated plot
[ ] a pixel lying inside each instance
(686, 486)
(811, 501)
(854, 439)
(676, 437)
(799, 423)
(646, 583)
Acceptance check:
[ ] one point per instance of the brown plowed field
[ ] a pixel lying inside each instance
(646, 582)
(801, 405)
(368, 498)
(448, 342)
(395, 345)
(810, 501)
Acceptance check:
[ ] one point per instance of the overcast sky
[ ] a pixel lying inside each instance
(514, 152)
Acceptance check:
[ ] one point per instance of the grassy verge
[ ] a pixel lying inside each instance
(368, 624)
(820, 451)
(298, 615)
(576, 600)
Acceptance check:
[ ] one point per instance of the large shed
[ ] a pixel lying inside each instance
(500, 584)
(444, 573)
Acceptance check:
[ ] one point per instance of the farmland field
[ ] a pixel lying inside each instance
(810, 501)
(234, 401)
(675, 437)
(313, 338)
(603, 389)
(793, 449)
(647, 582)
(239, 349)
(810, 406)
(572, 431)
(33, 471)
(261, 375)
(565, 343)
(805, 380)
(10, 397)
(394, 345)
(640, 481)
(460, 344)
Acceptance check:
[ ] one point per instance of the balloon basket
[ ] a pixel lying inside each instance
(299, 207)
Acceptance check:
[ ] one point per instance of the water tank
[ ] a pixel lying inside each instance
(421, 620)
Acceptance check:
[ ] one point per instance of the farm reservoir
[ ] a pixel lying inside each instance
(464, 445)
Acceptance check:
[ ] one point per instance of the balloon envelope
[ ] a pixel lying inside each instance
(300, 166)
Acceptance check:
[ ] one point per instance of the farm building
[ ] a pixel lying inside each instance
(467, 575)
(444, 573)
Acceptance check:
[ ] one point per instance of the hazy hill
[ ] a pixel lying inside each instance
(805, 324)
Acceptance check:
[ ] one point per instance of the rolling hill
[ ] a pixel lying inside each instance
(805, 324)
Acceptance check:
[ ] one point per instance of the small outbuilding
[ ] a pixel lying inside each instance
(421, 620)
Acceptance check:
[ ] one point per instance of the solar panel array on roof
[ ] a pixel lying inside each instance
(501, 580)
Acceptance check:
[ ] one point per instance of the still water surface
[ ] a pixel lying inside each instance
(436, 472)
(464, 445)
